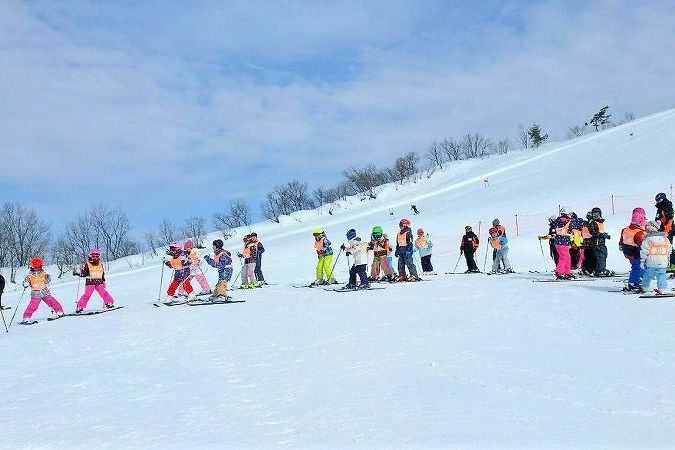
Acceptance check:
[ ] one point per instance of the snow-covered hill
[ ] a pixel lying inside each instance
(455, 362)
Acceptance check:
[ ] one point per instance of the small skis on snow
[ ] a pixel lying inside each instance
(5, 308)
(93, 313)
(564, 280)
(356, 289)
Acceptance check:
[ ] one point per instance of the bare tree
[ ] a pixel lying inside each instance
(628, 117)
(577, 131)
(405, 167)
(435, 155)
(195, 229)
(237, 214)
(81, 236)
(63, 255)
(168, 232)
(523, 138)
(452, 149)
(151, 241)
(286, 199)
(366, 181)
(28, 235)
(503, 147)
(111, 227)
(475, 145)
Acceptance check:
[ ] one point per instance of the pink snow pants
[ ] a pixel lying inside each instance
(201, 279)
(89, 289)
(564, 265)
(35, 303)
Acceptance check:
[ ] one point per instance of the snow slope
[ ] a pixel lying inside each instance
(454, 362)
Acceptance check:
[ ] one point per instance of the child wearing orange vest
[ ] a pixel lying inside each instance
(499, 243)
(38, 280)
(562, 245)
(630, 244)
(222, 261)
(381, 248)
(249, 253)
(181, 270)
(195, 269)
(596, 227)
(94, 271)
(404, 252)
(655, 256)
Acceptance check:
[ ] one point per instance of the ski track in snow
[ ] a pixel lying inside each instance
(454, 362)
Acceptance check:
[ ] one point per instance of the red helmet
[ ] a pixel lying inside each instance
(36, 263)
(493, 230)
(404, 223)
(420, 231)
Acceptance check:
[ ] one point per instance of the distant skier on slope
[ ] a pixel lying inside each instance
(222, 261)
(414, 209)
(404, 252)
(423, 246)
(94, 272)
(325, 255)
(38, 281)
(654, 253)
(359, 251)
(468, 247)
(630, 244)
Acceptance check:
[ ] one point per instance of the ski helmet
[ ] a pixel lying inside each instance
(468, 228)
(404, 223)
(493, 230)
(660, 197)
(589, 216)
(95, 252)
(420, 231)
(317, 231)
(596, 213)
(495, 223)
(377, 230)
(36, 263)
(573, 215)
(652, 226)
(351, 234)
(189, 245)
(218, 243)
(639, 217)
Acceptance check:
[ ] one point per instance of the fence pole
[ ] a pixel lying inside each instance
(517, 233)
(671, 192)
(612, 204)
(479, 224)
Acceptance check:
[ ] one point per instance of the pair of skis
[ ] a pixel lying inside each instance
(198, 302)
(84, 313)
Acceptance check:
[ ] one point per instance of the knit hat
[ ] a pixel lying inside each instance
(495, 222)
(652, 226)
(467, 228)
(218, 243)
(351, 234)
(493, 230)
(188, 244)
(639, 217)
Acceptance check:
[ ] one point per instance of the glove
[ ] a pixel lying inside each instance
(167, 264)
(348, 253)
(607, 236)
(240, 255)
(342, 247)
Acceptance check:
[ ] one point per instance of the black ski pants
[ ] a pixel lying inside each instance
(470, 261)
(359, 270)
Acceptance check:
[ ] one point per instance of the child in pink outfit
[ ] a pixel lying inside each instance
(38, 281)
(94, 271)
(195, 269)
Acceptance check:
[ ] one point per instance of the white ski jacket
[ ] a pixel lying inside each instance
(358, 250)
(655, 250)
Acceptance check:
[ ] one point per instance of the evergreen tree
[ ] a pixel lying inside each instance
(600, 118)
(535, 135)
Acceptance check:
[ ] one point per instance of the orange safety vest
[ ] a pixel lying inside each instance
(37, 281)
(246, 251)
(421, 241)
(194, 256)
(494, 243)
(601, 227)
(658, 249)
(318, 245)
(628, 236)
(501, 229)
(217, 257)
(585, 233)
(95, 271)
(401, 239)
(176, 263)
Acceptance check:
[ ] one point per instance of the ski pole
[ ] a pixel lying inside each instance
(541, 247)
(455, 269)
(330, 275)
(16, 308)
(79, 282)
(240, 271)
(487, 249)
(4, 321)
(161, 281)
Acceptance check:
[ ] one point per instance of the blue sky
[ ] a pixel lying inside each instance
(170, 109)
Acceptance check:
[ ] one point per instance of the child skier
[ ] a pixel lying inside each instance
(562, 245)
(38, 280)
(181, 270)
(380, 247)
(390, 259)
(468, 247)
(359, 251)
(576, 241)
(630, 244)
(501, 231)
(222, 261)
(94, 272)
(404, 252)
(596, 227)
(195, 269)
(664, 216)
(654, 253)
(325, 254)
(588, 264)
(499, 243)
(423, 246)
(249, 253)
(258, 259)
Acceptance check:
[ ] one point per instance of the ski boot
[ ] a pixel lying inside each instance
(206, 292)
(79, 310)
(509, 270)
(364, 286)
(401, 278)
(349, 286)
(107, 306)
(414, 278)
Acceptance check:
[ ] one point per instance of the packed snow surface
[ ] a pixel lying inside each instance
(457, 361)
